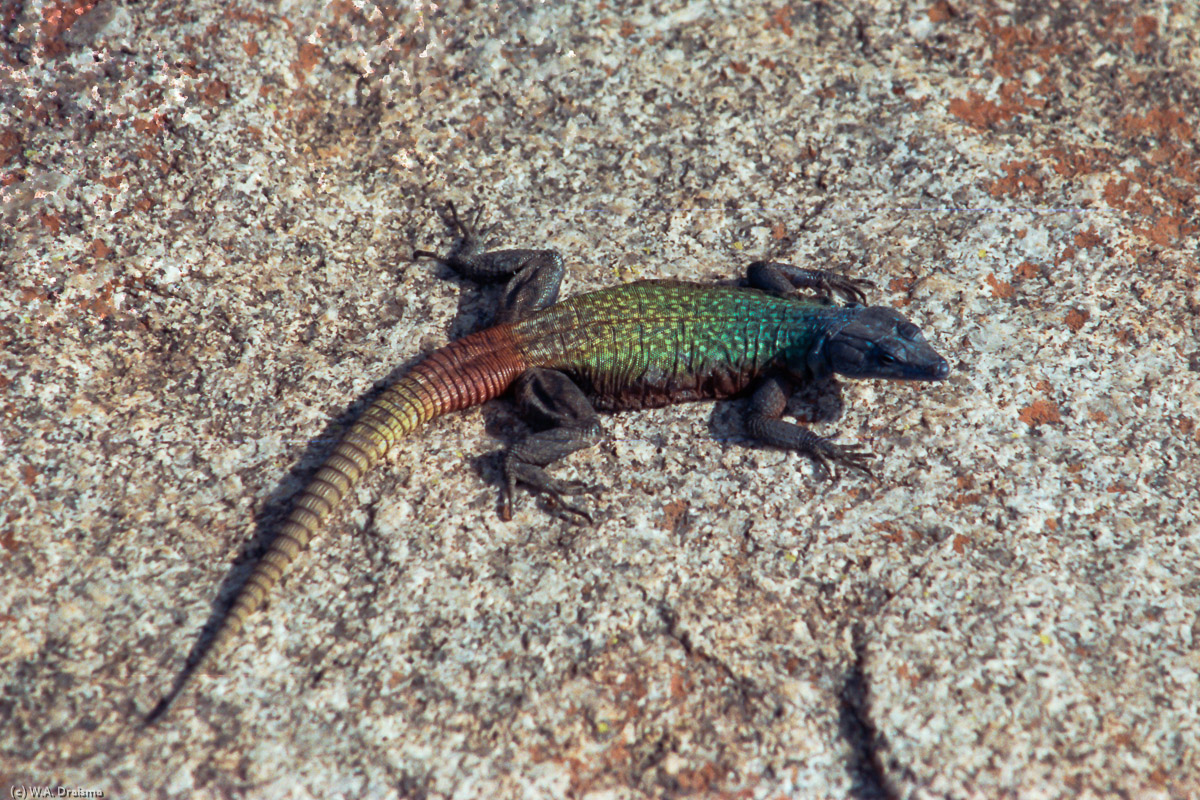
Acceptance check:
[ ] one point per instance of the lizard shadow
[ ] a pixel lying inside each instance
(269, 517)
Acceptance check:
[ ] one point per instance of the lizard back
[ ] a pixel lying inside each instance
(653, 343)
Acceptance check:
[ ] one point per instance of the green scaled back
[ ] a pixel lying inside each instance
(652, 343)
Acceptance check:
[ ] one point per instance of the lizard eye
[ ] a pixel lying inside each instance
(887, 358)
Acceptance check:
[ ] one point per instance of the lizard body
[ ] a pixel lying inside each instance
(634, 346)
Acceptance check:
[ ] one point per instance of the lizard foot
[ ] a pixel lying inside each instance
(784, 279)
(559, 507)
(555, 490)
(853, 289)
(567, 511)
(471, 238)
(827, 454)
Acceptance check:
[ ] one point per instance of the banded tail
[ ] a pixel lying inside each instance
(464, 373)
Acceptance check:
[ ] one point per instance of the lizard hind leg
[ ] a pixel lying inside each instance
(533, 276)
(550, 398)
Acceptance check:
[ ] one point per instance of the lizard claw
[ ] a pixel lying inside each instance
(827, 454)
(853, 289)
(563, 510)
(470, 231)
(556, 491)
(472, 239)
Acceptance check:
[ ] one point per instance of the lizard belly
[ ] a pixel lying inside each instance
(654, 389)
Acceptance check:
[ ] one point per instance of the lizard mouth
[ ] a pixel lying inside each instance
(939, 370)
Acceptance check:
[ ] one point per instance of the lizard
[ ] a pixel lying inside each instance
(637, 345)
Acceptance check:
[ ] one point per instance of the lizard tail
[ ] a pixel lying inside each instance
(464, 373)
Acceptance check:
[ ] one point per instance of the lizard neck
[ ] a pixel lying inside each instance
(810, 328)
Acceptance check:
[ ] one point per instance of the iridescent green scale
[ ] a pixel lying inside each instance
(653, 343)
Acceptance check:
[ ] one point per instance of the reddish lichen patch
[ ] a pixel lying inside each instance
(1019, 177)
(1088, 238)
(100, 305)
(1026, 270)
(1117, 194)
(1166, 230)
(1158, 122)
(960, 543)
(215, 92)
(150, 127)
(28, 295)
(1163, 187)
(8, 540)
(476, 126)
(1144, 27)
(29, 474)
(1072, 162)
(940, 11)
(979, 112)
(890, 533)
(1002, 290)
(1039, 412)
(908, 675)
(674, 515)
(965, 499)
(10, 145)
(57, 19)
(781, 19)
(901, 285)
(99, 249)
(308, 58)
(51, 222)
(1076, 318)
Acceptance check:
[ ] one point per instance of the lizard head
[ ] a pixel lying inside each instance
(877, 342)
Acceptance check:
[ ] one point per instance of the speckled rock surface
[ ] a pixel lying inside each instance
(206, 218)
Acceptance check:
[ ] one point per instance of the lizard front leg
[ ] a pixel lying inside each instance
(534, 276)
(765, 424)
(551, 398)
(777, 278)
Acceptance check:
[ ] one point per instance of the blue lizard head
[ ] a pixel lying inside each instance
(876, 342)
